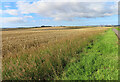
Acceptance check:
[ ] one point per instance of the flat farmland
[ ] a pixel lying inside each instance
(15, 41)
(43, 53)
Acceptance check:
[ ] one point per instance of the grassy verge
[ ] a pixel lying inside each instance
(98, 61)
(48, 61)
(118, 28)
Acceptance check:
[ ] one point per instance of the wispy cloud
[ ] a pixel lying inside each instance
(12, 19)
(10, 11)
(7, 6)
(28, 16)
(0, 11)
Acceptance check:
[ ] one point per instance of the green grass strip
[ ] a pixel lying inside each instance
(118, 28)
(98, 61)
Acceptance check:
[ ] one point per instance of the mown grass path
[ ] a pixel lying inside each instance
(99, 60)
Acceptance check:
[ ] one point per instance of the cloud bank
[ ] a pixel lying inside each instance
(62, 0)
(59, 10)
(68, 10)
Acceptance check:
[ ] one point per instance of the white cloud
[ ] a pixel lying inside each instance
(67, 10)
(7, 6)
(28, 16)
(11, 11)
(0, 11)
(12, 20)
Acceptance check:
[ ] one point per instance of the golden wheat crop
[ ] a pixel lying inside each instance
(42, 53)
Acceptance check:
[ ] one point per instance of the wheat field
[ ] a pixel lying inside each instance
(42, 53)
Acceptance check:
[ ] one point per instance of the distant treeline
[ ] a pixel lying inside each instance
(46, 26)
(18, 28)
(67, 27)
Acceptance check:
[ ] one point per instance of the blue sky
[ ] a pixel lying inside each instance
(37, 13)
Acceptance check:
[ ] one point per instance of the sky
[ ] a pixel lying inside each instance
(53, 13)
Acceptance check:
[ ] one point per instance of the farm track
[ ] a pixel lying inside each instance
(117, 33)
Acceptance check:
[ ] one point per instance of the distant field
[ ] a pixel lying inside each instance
(43, 53)
(21, 39)
(49, 28)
